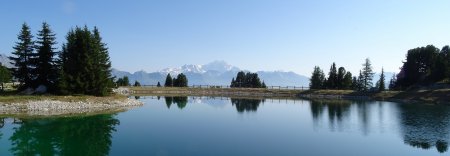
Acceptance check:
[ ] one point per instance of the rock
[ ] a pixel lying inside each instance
(41, 89)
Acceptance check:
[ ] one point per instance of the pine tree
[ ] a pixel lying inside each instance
(84, 64)
(158, 85)
(347, 82)
(5, 76)
(46, 70)
(355, 82)
(263, 85)
(317, 79)
(381, 84)
(246, 80)
(392, 82)
(137, 84)
(332, 77)
(367, 75)
(340, 78)
(233, 83)
(181, 81)
(101, 66)
(169, 81)
(23, 58)
(360, 82)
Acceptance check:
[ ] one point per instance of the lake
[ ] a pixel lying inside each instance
(228, 126)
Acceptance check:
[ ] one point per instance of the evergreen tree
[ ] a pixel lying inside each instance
(5, 76)
(101, 66)
(169, 81)
(347, 82)
(246, 80)
(181, 81)
(332, 77)
(46, 70)
(263, 85)
(317, 79)
(360, 82)
(367, 75)
(233, 83)
(392, 82)
(381, 85)
(340, 78)
(137, 84)
(158, 85)
(174, 82)
(84, 64)
(24, 58)
(354, 83)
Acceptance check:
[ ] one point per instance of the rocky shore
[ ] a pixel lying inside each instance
(58, 108)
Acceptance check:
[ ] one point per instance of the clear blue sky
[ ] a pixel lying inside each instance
(252, 34)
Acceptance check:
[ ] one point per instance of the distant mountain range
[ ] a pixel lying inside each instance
(4, 61)
(214, 73)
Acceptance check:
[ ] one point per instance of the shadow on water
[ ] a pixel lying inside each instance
(246, 105)
(421, 125)
(425, 126)
(2, 123)
(64, 136)
(180, 101)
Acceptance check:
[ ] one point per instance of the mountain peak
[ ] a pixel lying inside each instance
(220, 66)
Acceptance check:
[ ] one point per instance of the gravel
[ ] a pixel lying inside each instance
(53, 107)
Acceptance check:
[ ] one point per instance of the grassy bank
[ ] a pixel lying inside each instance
(236, 92)
(435, 96)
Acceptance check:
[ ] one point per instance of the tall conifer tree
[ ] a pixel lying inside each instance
(46, 70)
(23, 58)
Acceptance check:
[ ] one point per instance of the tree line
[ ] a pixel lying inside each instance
(180, 81)
(339, 78)
(247, 80)
(423, 66)
(81, 67)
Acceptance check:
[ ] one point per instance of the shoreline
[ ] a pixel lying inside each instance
(427, 96)
(47, 106)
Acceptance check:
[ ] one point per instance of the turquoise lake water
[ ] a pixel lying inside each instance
(225, 126)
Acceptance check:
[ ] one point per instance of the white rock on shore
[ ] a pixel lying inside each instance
(52, 107)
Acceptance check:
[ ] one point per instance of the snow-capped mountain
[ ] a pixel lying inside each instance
(214, 73)
(216, 66)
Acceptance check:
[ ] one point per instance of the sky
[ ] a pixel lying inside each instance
(287, 35)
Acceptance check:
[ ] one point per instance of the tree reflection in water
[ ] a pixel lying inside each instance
(64, 136)
(2, 123)
(337, 110)
(424, 126)
(246, 105)
(181, 101)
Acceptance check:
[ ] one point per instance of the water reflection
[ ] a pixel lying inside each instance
(180, 101)
(425, 126)
(64, 136)
(2, 123)
(337, 111)
(246, 105)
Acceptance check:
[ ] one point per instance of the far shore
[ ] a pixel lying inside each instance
(50, 105)
(423, 95)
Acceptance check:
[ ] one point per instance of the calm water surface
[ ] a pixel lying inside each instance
(224, 126)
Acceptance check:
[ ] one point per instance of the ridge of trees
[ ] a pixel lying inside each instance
(423, 66)
(339, 78)
(180, 81)
(247, 80)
